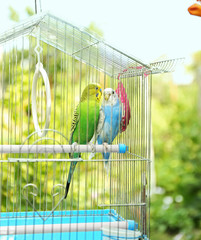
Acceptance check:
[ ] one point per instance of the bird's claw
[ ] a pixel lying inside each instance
(92, 147)
(105, 146)
(74, 146)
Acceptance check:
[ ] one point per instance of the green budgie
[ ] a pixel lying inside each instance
(84, 123)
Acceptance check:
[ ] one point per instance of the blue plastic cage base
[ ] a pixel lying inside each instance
(26, 219)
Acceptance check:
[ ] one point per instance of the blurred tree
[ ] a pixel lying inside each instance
(29, 11)
(94, 29)
(195, 68)
(14, 16)
(177, 144)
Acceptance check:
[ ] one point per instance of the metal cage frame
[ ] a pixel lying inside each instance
(31, 169)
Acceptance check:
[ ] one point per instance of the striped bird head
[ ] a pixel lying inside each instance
(92, 91)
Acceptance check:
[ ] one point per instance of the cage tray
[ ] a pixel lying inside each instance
(27, 219)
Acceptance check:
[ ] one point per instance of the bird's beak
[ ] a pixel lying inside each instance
(195, 9)
(107, 96)
(99, 95)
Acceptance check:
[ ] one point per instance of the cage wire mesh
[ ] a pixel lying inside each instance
(33, 181)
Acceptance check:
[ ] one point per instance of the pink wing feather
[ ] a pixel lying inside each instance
(126, 113)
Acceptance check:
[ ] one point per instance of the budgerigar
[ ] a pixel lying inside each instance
(84, 122)
(113, 114)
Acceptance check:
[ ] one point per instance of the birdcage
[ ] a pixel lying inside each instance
(45, 65)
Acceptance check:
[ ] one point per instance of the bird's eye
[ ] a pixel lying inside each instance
(112, 92)
(96, 88)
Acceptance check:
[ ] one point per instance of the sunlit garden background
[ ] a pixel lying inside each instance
(176, 133)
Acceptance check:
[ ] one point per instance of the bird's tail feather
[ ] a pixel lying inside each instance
(106, 156)
(67, 189)
(70, 175)
(107, 167)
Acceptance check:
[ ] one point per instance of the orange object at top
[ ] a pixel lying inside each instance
(195, 9)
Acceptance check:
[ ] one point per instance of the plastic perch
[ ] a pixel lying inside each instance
(65, 227)
(75, 148)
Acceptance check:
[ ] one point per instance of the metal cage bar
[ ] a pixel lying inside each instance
(105, 192)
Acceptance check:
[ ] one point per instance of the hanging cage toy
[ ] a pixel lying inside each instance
(74, 134)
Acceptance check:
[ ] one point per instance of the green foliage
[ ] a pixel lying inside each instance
(177, 144)
(94, 29)
(196, 62)
(13, 15)
(29, 11)
(176, 137)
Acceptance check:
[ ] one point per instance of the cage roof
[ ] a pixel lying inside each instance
(82, 45)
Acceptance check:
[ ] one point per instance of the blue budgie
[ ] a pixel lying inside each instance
(111, 108)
